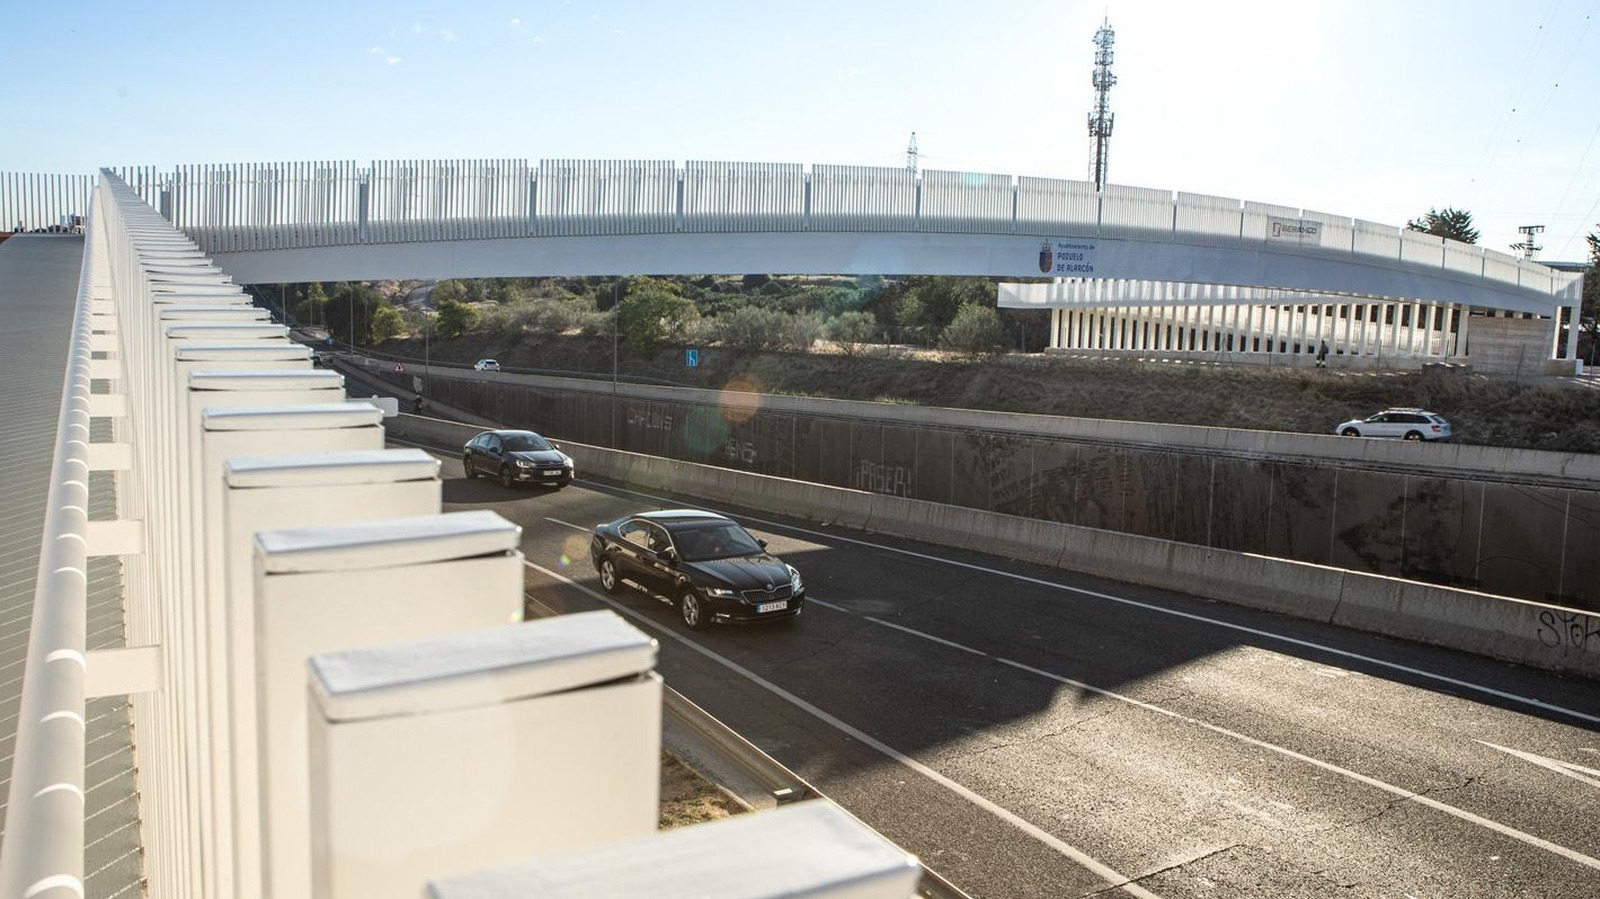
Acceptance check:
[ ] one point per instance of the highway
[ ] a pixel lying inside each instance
(1031, 733)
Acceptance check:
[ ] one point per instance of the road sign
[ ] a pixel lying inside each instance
(691, 357)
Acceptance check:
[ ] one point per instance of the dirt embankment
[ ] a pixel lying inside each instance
(1549, 414)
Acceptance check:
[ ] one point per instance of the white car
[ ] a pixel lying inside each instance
(1400, 424)
(486, 365)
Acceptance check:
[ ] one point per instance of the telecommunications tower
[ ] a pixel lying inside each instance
(1101, 119)
(911, 154)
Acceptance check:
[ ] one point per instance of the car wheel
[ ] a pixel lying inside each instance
(693, 612)
(1413, 435)
(1351, 432)
(466, 463)
(608, 574)
(505, 476)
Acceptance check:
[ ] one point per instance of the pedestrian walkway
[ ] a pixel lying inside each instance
(38, 291)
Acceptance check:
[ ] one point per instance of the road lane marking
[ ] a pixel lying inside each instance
(1375, 783)
(1577, 772)
(1422, 799)
(1110, 875)
(1294, 641)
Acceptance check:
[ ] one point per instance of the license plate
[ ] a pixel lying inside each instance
(778, 606)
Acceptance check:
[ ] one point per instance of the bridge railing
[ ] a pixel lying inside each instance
(326, 695)
(230, 208)
(35, 202)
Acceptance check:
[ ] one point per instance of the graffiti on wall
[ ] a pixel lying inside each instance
(875, 477)
(650, 418)
(1563, 629)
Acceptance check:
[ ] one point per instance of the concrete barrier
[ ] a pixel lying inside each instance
(1529, 633)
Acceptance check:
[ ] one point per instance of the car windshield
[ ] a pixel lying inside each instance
(524, 443)
(719, 540)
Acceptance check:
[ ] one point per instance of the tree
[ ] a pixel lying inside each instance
(975, 331)
(386, 323)
(314, 308)
(455, 318)
(1455, 224)
(851, 330)
(652, 313)
(451, 291)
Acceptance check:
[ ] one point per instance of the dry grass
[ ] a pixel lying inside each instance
(1543, 415)
(688, 798)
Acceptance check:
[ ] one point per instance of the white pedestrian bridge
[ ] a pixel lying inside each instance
(1124, 270)
(285, 576)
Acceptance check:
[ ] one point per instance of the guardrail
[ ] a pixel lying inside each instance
(44, 202)
(43, 848)
(284, 574)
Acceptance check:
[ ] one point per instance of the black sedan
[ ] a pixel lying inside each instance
(517, 457)
(708, 566)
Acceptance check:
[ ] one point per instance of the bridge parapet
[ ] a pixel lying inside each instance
(255, 207)
(261, 521)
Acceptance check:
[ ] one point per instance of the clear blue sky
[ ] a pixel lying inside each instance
(1377, 109)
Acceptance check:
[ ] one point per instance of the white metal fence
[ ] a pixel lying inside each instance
(37, 202)
(269, 206)
(327, 698)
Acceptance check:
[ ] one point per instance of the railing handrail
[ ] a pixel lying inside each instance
(42, 854)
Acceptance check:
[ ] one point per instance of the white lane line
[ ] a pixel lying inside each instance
(1463, 814)
(1294, 641)
(1113, 877)
(1577, 772)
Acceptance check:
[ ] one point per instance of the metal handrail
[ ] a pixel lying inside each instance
(42, 856)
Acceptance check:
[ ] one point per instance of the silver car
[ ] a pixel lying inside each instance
(1400, 424)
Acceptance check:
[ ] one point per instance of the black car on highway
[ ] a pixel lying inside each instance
(705, 564)
(517, 457)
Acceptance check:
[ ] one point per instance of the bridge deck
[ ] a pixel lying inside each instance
(38, 286)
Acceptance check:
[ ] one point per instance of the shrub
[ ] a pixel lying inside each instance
(975, 331)
(755, 328)
(852, 331)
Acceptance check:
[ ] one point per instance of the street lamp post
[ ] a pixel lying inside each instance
(616, 324)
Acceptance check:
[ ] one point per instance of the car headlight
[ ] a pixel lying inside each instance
(524, 463)
(722, 592)
(794, 579)
(567, 460)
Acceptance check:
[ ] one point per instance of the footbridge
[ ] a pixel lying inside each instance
(1127, 269)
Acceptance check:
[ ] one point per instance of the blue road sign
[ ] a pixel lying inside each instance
(691, 357)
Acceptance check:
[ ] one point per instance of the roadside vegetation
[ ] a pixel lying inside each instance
(920, 340)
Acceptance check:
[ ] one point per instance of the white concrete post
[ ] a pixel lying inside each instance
(346, 586)
(258, 493)
(807, 850)
(536, 738)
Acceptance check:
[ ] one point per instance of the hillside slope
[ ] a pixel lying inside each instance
(1549, 414)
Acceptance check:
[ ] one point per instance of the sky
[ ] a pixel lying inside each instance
(1375, 109)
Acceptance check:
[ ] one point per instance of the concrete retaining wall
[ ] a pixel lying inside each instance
(1507, 522)
(1528, 633)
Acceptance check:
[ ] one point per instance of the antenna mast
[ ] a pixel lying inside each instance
(911, 154)
(1101, 119)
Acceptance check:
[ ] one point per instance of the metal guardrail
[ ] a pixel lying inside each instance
(42, 855)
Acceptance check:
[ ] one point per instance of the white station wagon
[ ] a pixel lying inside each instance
(1400, 424)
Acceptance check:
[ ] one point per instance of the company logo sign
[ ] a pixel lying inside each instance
(1297, 230)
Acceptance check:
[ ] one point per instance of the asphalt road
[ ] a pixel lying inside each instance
(1029, 732)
